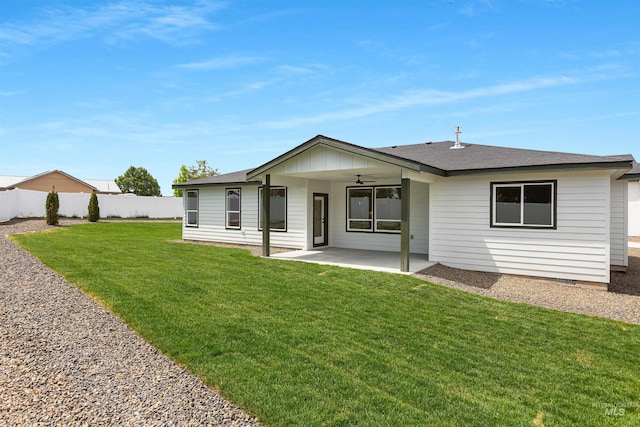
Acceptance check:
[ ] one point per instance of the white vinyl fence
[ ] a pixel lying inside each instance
(28, 203)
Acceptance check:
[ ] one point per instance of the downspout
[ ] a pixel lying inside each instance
(266, 216)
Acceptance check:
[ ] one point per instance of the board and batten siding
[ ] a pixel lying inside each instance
(211, 217)
(461, 236)
(323, 159)
(619, 239)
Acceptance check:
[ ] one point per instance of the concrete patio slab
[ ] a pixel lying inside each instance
(361, 259)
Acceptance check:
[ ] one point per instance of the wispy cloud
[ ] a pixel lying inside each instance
(467, 10)
(12, 93)
(424, 98)
(291, 70)
(473, 8)
(124, 20)
(229, 61)
(281, 74)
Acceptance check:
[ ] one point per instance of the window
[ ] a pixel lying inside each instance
(192, 208)
(360, 209)
(388, 209)
(374, 209)
(277, 211)
(523, 204)
(233, 208)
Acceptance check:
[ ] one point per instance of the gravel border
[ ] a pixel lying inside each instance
(65, 360)
(540, 292)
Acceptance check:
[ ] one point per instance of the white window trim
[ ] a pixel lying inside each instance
(227, 211)
(522, 185)
(187, 210)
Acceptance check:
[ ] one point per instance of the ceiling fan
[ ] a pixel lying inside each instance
(359, 181)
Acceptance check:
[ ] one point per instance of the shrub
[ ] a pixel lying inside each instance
(94, 209)
(52, 205)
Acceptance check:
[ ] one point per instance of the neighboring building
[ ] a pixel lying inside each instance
(634, 200)
(468, 206)
(60, 181)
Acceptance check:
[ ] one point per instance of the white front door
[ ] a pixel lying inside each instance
(319, 219)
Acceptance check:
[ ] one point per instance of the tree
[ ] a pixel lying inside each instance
(52, 205)
(94, 209)
(138, 181)
(200, 170)
(183, 176)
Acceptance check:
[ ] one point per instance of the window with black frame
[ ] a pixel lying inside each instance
(360, 209)
(232, 208)
(191, 208)
(374, 209)
(277, 211)
(388, 209)
(523, 204)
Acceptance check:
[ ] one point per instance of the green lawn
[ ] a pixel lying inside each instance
(304, 344)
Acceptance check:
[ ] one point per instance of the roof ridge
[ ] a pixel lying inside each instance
(503, 148)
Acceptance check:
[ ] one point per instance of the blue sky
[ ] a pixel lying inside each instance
(93, 87)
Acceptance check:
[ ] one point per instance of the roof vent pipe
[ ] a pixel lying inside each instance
(457, 144)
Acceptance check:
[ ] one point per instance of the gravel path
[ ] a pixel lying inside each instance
(541, 292)
(65, 360)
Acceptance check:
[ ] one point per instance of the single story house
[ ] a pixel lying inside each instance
(469, 206)
(60, 181)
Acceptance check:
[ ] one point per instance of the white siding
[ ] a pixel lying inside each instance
(419, 228)
(296, 234)
(634, 208)
(460, 233)
(211, 217)
(619, 241)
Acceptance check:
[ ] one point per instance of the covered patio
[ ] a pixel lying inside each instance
(347, 197)
(357, 258)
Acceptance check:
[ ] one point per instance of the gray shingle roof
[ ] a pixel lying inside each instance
(438, 157)
(634, 173)
(480, 158)
(226, 178)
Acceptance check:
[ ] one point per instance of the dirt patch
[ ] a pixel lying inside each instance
(478, 279)
(629, 281)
